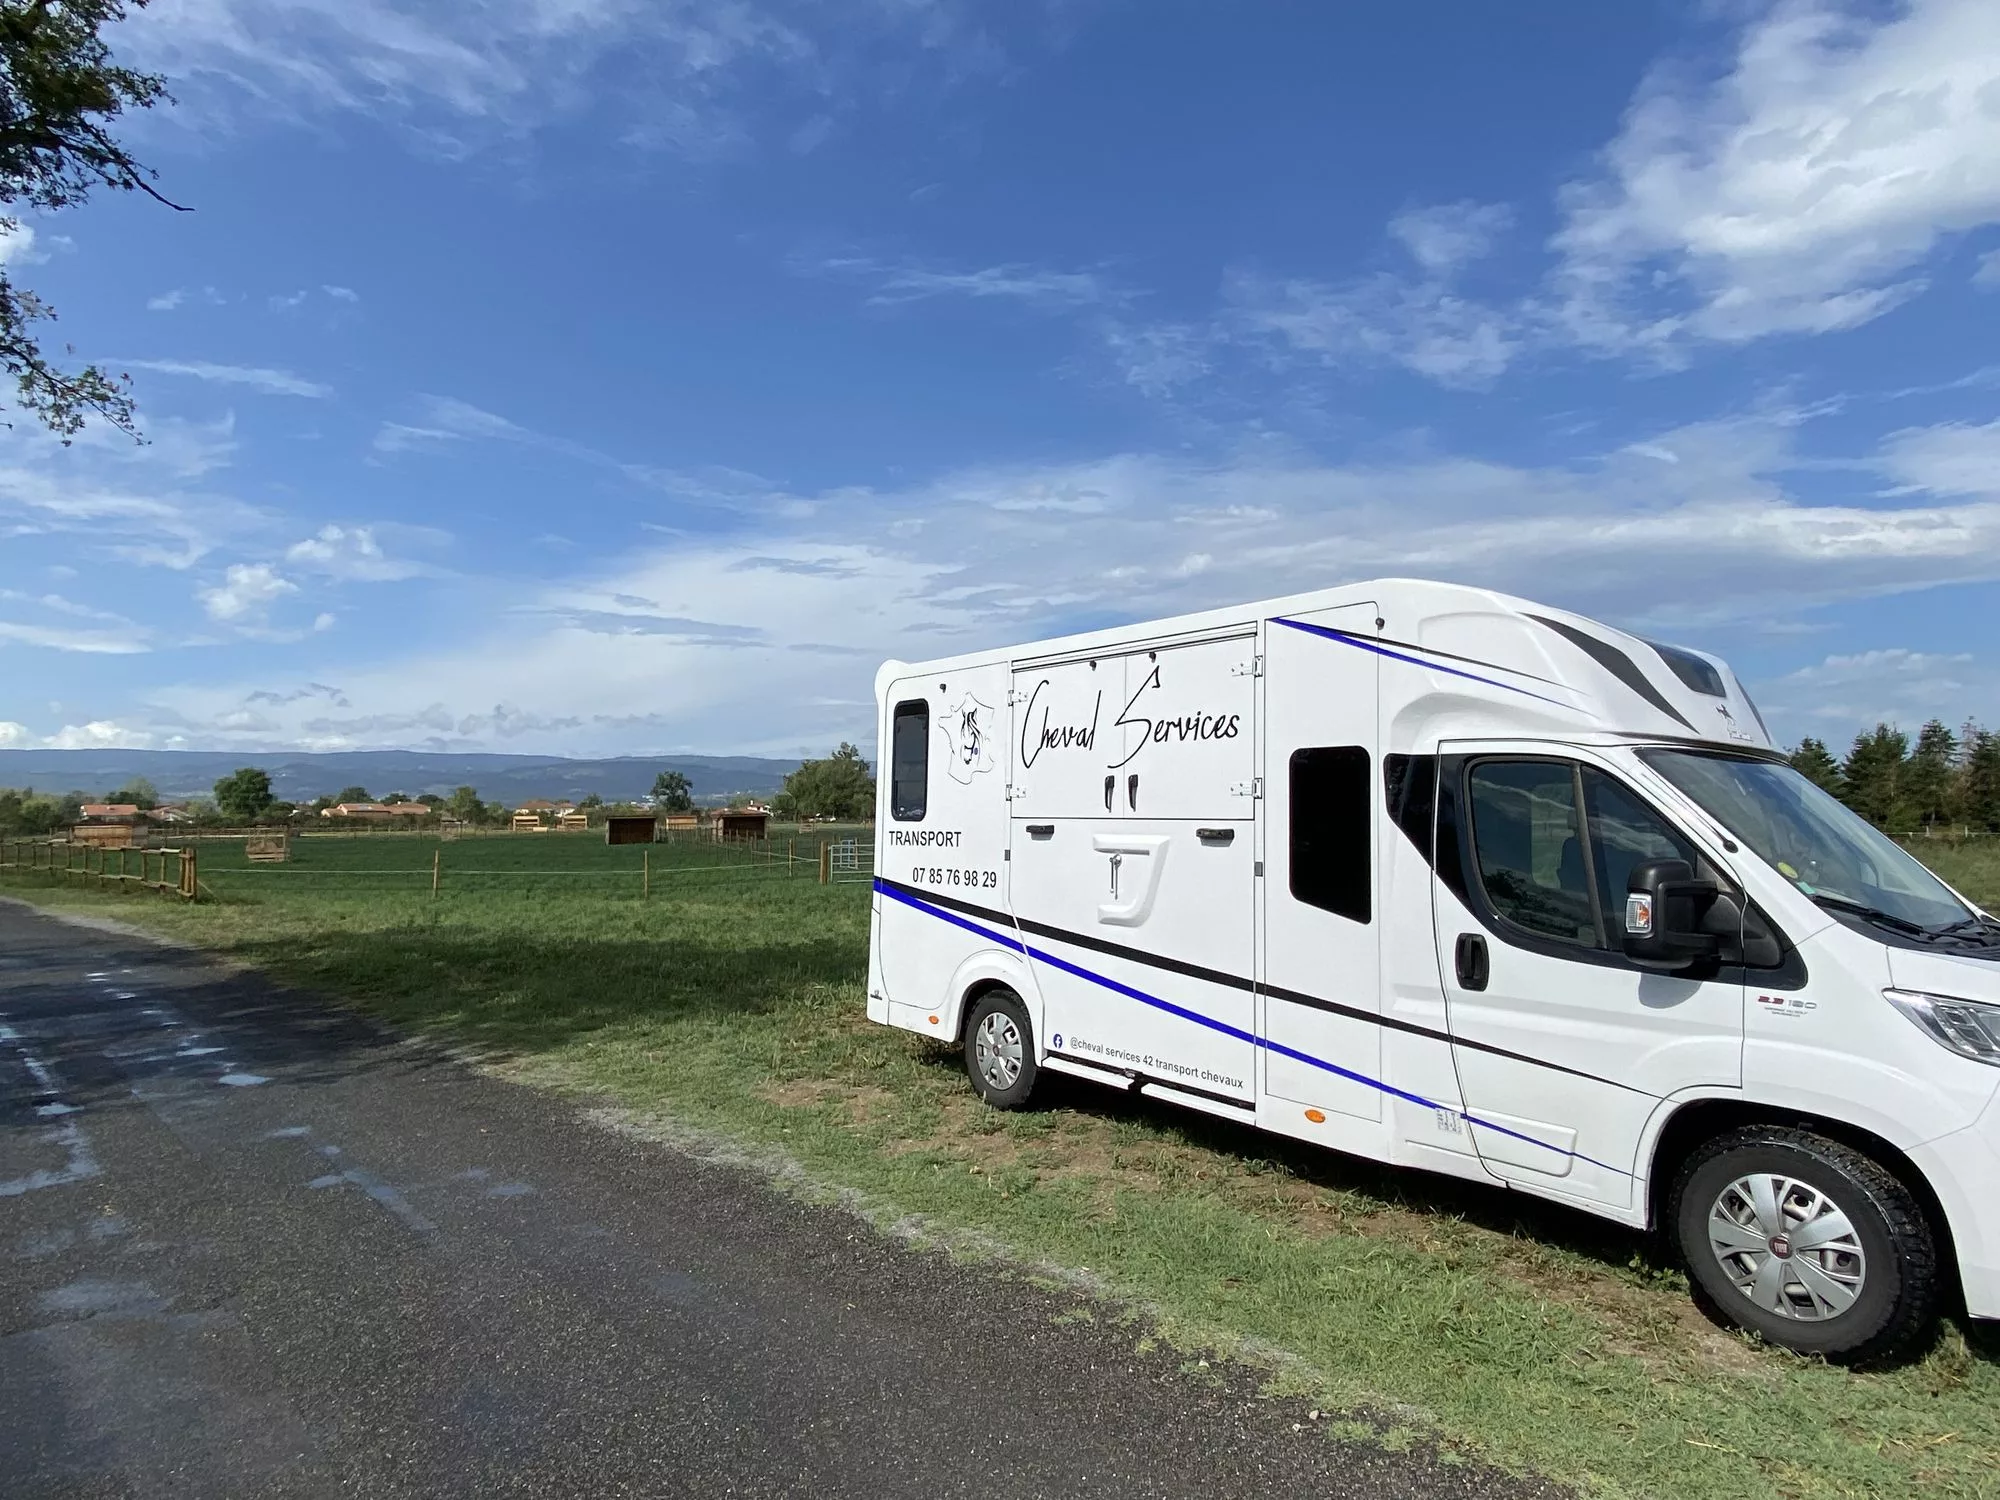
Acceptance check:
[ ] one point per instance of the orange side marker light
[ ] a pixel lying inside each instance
(1316, 1117)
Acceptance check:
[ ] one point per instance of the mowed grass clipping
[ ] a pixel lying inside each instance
(732, 1000)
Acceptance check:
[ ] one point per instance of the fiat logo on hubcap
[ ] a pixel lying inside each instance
(1781, 1247)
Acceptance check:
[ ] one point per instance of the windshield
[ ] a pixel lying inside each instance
(1808, 837)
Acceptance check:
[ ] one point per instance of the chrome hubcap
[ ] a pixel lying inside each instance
(997, 1049)
(1787, 1247)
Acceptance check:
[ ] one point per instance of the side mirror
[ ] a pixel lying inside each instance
(1665, 908)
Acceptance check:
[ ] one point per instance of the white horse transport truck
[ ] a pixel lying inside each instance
(1447, 879)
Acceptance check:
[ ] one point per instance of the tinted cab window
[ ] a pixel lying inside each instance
(1554, 844)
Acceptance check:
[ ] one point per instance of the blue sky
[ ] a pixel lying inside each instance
(624, 376)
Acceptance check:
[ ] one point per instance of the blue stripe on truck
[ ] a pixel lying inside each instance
(917, 903)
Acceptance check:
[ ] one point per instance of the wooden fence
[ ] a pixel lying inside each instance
(170, 872)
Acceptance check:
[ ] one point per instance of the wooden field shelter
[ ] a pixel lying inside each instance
(525, 822)
(630, 829)
(729, 826)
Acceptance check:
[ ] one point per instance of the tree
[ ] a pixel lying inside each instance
(673, 792)
(1923, 792)
(1979, 779)
(591, 803)
(59, 94)
(1872, 771)
(393, 798)
(353, 794)
(464, 805)
(138, 792)
(244, 796)
(838, 787)
(1815, 762)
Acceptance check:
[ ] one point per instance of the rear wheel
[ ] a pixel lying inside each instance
(1000, 1049)
(1807, 1241)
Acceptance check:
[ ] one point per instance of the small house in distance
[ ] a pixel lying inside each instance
(736, 823)
(622, 828)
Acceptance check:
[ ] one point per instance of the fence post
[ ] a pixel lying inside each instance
(645, 874)
(825, 863)
(437, 871)
(791, 856)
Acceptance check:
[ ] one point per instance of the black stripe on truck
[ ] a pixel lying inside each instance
(1235, 982)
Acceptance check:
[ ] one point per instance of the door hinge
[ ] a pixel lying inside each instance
(1251, 668)
(1254, 787)
(1016, 791)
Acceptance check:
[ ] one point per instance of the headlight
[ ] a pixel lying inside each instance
(1965, 1026)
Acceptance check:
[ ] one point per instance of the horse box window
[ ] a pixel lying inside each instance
(910, 761)
(1332, 852)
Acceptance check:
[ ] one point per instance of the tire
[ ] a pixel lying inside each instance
(1000, 1049)
(1859, 1293)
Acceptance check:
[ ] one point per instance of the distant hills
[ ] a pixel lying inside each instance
(298, 777)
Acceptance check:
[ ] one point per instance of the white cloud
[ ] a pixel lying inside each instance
(265, 382)
(1158, 359)
(178, 297)
(13, 736)
(342, 293)
(682, 74)
(1840, 694)
(123, 642)
(769, 643)
(99, 734)
(1987, 277)
(1041, 287)
(1953, 458)
(1799, 192)
(351, 553)
(246, 594)
(1415, 322)
(17, 243)
(1446, 236)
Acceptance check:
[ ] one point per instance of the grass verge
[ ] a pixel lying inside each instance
(1535, 1336)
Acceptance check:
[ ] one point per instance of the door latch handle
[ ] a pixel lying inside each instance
(1473, 964)
(1041, 830)
(1132, 792)
(1116, 861)
(1109, 783)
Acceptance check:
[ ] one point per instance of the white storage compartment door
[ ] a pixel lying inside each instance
(1188, 721)
(1064, 746)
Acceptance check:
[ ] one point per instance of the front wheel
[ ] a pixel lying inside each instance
(1808, 1242)
(1000, 1049)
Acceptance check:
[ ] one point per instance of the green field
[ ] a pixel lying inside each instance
(731, 1002)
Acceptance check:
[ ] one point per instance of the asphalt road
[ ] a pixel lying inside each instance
(251, 1244)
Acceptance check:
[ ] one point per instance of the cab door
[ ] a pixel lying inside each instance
(1563, 1046)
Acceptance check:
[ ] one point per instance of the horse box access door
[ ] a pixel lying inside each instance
(1133, 853)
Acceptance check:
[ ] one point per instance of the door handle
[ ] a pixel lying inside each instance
(1216, 835)
(1116, 861)
(1474, 967)
(1041, 830)
(1132, 792)
(1109, 783)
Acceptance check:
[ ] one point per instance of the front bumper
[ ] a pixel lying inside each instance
(1963, 1168)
